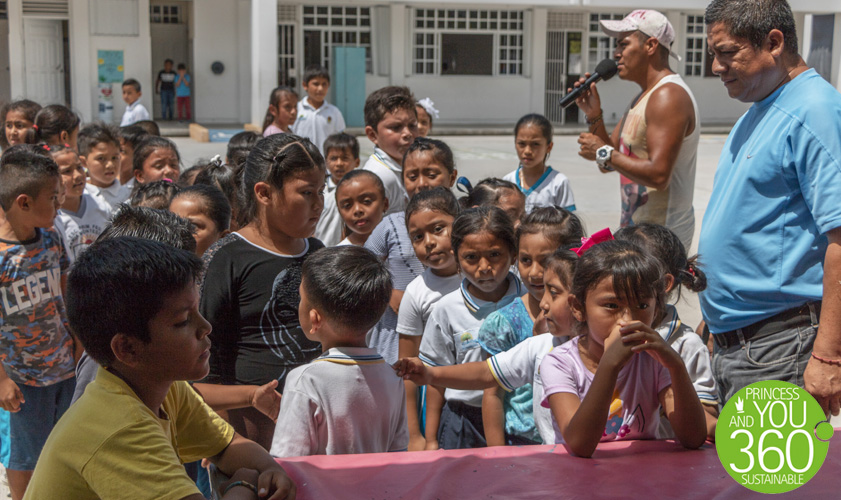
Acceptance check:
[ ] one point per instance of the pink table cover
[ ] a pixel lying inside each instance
(623, 469)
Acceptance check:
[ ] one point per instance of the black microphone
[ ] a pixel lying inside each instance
(604, 71)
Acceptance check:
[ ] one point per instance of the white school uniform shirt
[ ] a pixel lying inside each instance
(134, 113)
(317, 124)
(420, 296)
(391, 173)
(330, 224)
(113, 195)
(348, 400)
(519, 366)
(80, 229)
(452, 332)
(696, 357)
(552, 189)
(345, 243)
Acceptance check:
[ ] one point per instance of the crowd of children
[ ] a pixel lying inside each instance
(389, 314)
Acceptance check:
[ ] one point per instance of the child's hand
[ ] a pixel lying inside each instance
(267, 400)
(616, 351)
(417, 443)
(10, 396)
(413, 369)
(641, 337)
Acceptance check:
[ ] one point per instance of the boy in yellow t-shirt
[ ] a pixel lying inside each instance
(134, 304)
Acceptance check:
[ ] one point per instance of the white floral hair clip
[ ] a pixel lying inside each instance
(429, 106)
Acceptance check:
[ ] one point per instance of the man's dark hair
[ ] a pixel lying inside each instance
(387, 100)
(315, 71)
(340, 141)
(133, 83)
(24, 170)
(754, 19)
(96, 133)
(150, 224)
(349, 285)
(134, 278)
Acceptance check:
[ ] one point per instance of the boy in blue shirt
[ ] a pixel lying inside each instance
(182, 93)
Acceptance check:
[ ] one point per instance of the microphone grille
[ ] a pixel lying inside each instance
(606, 69)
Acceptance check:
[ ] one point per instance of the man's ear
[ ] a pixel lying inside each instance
(577, 308)
(371, 133)
(125, 349)
(775, 43)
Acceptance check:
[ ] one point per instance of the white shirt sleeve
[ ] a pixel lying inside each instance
(298, 426)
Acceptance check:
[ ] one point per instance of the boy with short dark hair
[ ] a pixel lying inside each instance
(391, 123)
(183, 93)
(36, 348)
(341, 155)
(99, 151)
(348, 400)
(317, 118)
(128, 435)
(130, 138)
(135, 111)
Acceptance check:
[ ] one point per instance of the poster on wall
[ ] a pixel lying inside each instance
(110, 64)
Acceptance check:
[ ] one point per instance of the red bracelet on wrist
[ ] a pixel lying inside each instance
(827, 361)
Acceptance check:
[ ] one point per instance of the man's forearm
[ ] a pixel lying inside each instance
(828, 341)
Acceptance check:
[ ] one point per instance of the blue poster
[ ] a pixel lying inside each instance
(110, 64)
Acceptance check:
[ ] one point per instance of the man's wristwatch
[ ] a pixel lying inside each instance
(603, 155)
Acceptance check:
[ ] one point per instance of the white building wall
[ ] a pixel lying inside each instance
(5, 81)
(222, 32)
(137, 60)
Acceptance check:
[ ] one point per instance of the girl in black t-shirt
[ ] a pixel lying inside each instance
(251, 289)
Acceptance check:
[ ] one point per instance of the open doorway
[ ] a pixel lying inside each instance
(171, 39)
(564, 66)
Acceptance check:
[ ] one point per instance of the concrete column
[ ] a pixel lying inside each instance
(399, 39)
(264, 55)
(82, 65)
(17, 76)
(539, 24)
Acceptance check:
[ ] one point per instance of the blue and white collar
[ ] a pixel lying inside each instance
(536, 184)
(670, 324)
(351, 356)
(479, 307)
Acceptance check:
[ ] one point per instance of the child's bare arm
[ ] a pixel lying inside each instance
(493, 416)
(679, 401)
(434, 405)
(244, 453)
(228, 397)
(409, 345)
(711, 418)
(467, 376)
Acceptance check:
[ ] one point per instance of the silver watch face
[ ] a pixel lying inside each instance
(602, 153)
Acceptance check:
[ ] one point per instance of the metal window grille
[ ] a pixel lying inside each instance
(340, 26)
(695, 56)
(4, 13)
(165, 14)
(286, 66)
(507, 27)
(45, 8)
(601, 46)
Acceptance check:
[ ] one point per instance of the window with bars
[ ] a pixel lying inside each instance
(601, 46)
(326, 27)
(442, 36)
(3, 10)
(697, 61)
(165, 14)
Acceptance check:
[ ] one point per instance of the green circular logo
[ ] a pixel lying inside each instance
(772, 437)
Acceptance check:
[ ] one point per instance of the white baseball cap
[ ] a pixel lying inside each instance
(649, 22)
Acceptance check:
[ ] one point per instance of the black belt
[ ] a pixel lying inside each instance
(788, 318)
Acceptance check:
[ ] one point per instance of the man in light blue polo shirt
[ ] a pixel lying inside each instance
(771, 236)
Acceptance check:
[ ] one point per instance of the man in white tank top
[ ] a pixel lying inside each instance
(655, 146)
